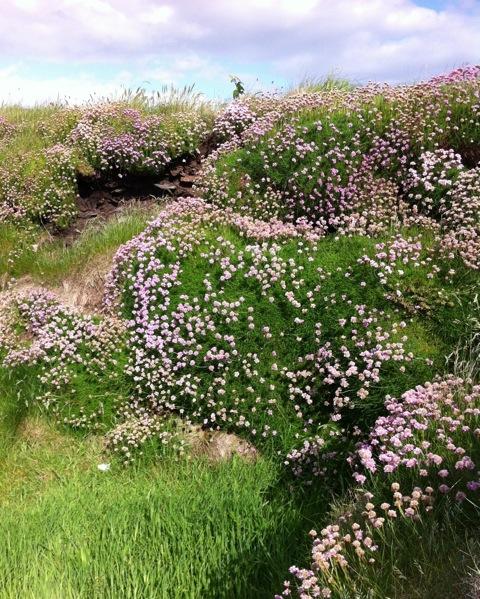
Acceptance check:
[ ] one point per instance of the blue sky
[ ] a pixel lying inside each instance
(77, 48)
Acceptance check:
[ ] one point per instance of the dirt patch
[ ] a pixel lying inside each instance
(472, 584)
(99, 198)
(84, 290)
(37, 432)
(101, 204)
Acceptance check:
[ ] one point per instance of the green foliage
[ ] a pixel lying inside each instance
(239, 88)
(182, 529)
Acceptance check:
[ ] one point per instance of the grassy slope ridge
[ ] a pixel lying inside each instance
(289, 333)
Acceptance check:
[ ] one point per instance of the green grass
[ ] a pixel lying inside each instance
(325, 84)
(174, 529)
(183, 530)
(53, 261)
(187, 529)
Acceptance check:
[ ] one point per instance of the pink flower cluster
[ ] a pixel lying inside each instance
(128, 437)
(426, 434)
(118, 139)
(377, 157)
(188, 348)
(108, 138)
(12, 193)
(430, 431)
(430, 181)
(53, 197)
(37, 330)
(352, 542)
(6, 128)
(48, 195)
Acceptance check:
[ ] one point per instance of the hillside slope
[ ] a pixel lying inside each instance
(281, 368)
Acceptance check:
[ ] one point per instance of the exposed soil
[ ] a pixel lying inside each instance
(101, 198)
(83, 290)
(470, 154)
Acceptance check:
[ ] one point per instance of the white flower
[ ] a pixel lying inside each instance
(103, 467)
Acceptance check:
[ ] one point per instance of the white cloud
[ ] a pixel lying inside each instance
(27, 5)
(280, 39)
(16, 87)
(156, 15)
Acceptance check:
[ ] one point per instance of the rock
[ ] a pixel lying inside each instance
(188, 180)
(166, 186)
(185, 192)
(218, 446)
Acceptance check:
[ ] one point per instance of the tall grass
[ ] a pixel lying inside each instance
(182, 531)
(331, 82)
(174, 529)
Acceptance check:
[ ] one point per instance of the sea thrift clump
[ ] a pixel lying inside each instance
(431, 181)
(234, 120)
(219, 352)
(427, 435)
(54, 194)
(461, 219)
(352, 542)
(399, 263)
(6, 128)
(129, 436)
(62, 344)
(469, 73)
(357, 161)
(430, 431)
(47, 196)
(118, 139)
(12, 193)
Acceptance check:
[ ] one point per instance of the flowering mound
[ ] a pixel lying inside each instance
(48, 196)
(236, 323)
(6, 129)
(64, 349)
(357, 161)
(118, 139)
(430, 436)
(110, 139)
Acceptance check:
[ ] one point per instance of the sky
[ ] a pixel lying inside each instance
(76, 49)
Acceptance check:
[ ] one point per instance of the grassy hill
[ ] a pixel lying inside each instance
(197, 393)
